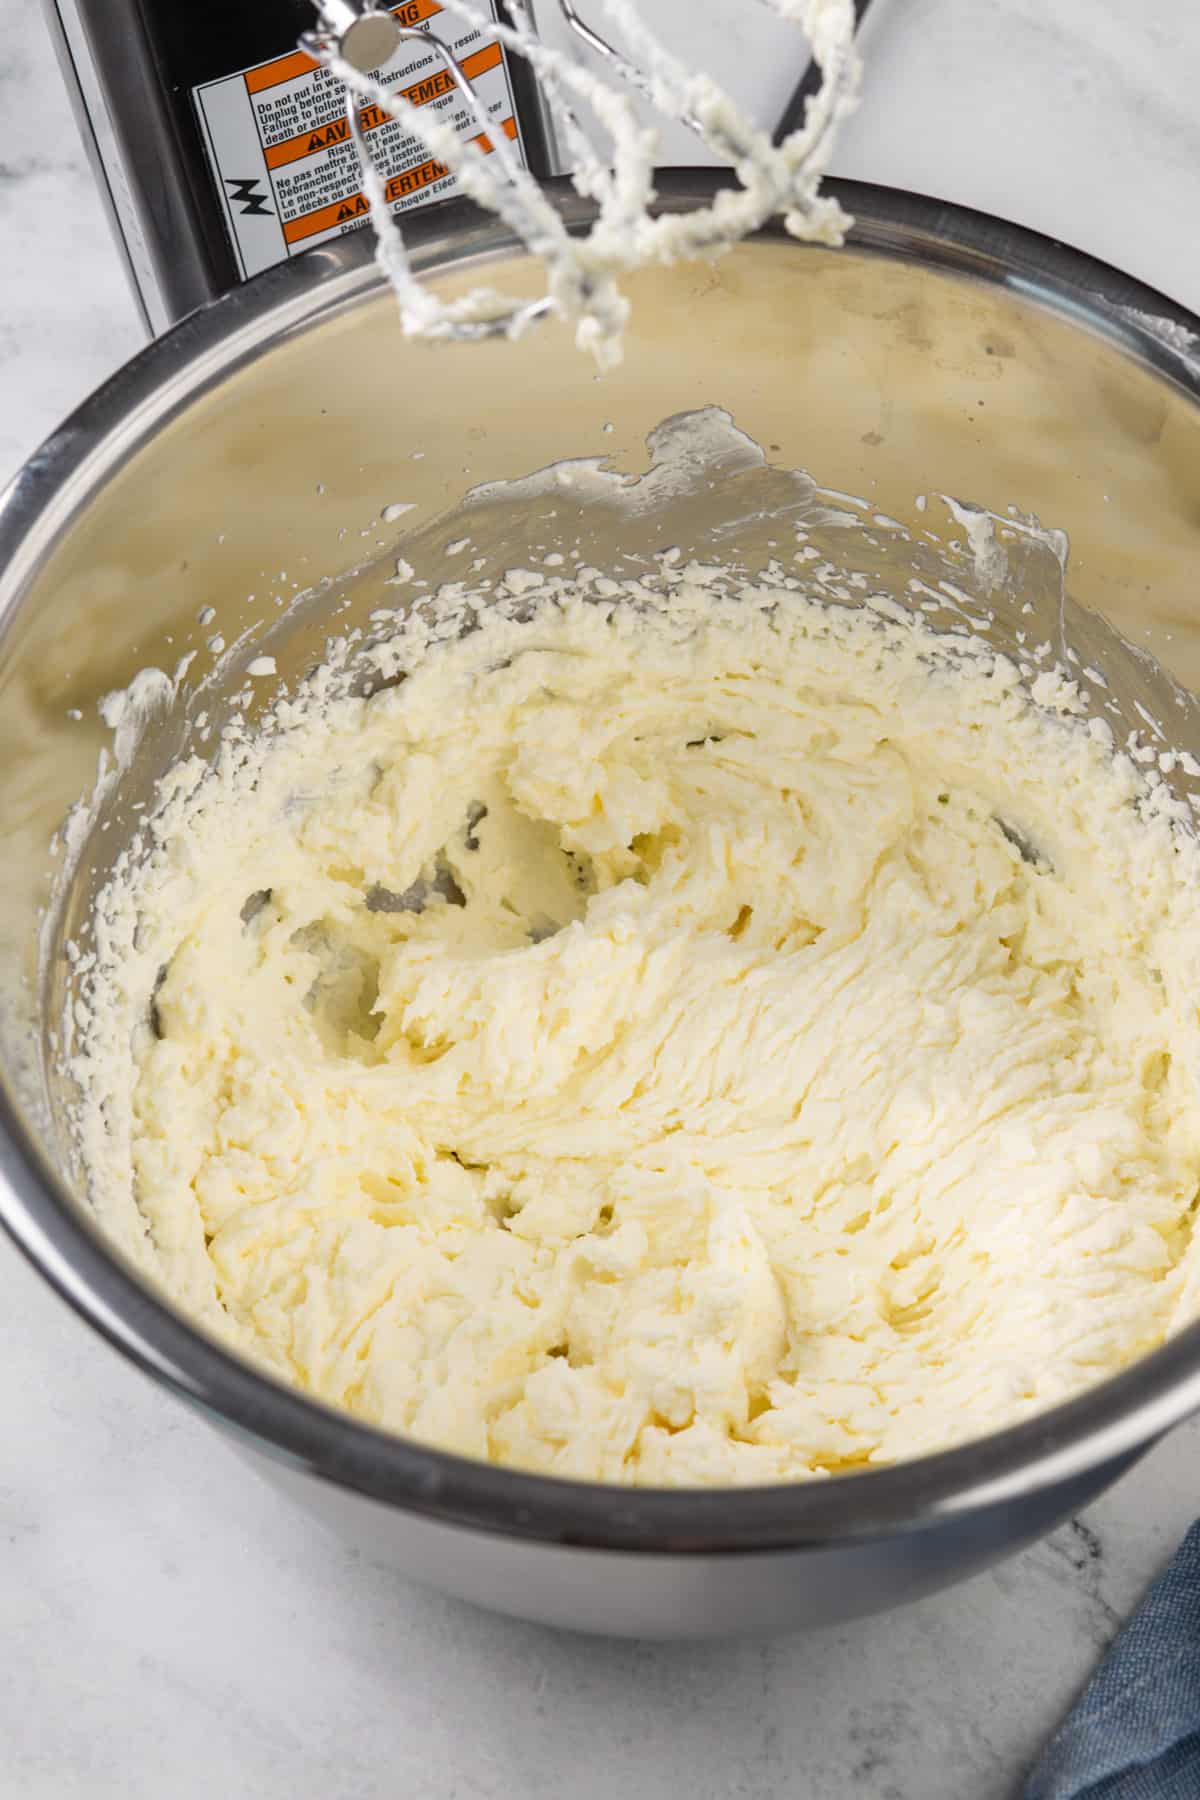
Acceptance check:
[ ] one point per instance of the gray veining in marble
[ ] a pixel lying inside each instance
(167, 1629)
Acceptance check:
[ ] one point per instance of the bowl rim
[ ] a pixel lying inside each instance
(1107, 1423)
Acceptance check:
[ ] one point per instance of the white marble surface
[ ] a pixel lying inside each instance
(165, 1627)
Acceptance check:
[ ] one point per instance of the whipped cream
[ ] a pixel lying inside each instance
(679, 1034)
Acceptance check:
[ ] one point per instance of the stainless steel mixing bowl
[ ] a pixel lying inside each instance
(254, 450)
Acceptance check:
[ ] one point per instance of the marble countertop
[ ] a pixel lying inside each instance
(169, 1630)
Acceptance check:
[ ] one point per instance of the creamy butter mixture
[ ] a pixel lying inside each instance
(703, 1040)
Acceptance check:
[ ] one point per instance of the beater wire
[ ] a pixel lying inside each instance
(582, 267)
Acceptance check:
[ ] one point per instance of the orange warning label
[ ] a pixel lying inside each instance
(279, 145)
(354, 207)
(420, 93)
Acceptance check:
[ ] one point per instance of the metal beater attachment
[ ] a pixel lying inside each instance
(356, 37)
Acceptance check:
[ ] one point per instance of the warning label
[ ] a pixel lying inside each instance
(279, 143)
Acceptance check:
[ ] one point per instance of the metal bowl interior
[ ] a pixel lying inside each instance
(252, 454)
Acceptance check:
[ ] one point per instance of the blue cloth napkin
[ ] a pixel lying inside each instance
(1135, 1734)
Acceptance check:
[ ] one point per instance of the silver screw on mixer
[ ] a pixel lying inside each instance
(365, 37)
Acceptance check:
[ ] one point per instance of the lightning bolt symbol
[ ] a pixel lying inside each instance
(246, 195)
